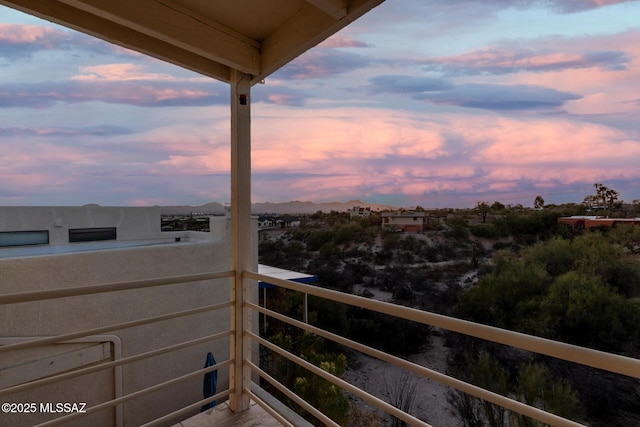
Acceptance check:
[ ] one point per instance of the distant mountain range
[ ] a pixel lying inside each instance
(293, 208)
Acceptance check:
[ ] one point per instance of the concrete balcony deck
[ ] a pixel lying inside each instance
(222, 416)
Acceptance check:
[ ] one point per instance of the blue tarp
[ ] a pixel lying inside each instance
(210, 382)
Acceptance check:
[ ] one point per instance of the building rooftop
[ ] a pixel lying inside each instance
(43, 250)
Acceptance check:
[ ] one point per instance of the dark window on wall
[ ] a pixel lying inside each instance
(91, 234)
(24, 238)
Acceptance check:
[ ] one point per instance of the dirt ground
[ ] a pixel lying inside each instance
(377, 377)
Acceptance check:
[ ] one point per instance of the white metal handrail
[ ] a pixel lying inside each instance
(194, 406)
(81, 334)
(143, 392)
(30, 296)
(601, 360)
(339, 382)
(606, 361)
(571, 353)
(48, 294)
(471, 389)
(119, 362)
(291, 395)
(270, 410)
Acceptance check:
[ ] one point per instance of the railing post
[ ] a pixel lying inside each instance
(241, 253)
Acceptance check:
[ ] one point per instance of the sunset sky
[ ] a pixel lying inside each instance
(437, 103)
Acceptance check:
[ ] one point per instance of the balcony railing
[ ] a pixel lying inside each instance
(21, 390)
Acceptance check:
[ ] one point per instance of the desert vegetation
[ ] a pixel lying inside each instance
(506, 266)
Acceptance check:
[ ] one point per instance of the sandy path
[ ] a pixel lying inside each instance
(430, 405)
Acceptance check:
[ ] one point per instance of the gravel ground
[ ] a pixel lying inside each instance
(376, 377)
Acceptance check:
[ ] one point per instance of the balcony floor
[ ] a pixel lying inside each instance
(222, 416)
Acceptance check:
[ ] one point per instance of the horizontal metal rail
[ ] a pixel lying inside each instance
(340, 382)
(291, 395)
(95, 368)
(598, 359)
(572, 353)
(95, 331)
(135, 395)
(505, 402)
(26, 297)
(29, 296)
(197, 405)
(271, 411)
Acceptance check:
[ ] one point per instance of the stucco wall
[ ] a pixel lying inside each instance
(65, 315)
(132, 223)
(404, 220)
(405, 223)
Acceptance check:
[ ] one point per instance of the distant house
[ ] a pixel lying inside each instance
(406, 221)
(359, 212)
(288, 222)
(587, 221)
(266, 222)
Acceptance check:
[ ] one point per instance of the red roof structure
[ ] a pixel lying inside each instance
(584, 222)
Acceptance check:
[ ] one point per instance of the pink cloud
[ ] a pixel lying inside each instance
(20, 40)
(281, 98)
(504, 60)
(186, 149)
(570, 6)
(126, 72)
(310, 137)
(23, 34)
(604, 90)
(336, 153)
(40, 166)
(502, 186)
(558, 152)
(346, 153)
(338, 41)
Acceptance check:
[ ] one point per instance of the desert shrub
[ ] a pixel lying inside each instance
(330, 250)
(458, 228)
(345, 233)
(569, 290)
(532, 383)
(488, 231)
(322, 394)
(271, 252)
(387, 333)
(391, 241)
(316, 239)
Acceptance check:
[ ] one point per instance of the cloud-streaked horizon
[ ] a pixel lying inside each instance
(21, 41)
(406, 106)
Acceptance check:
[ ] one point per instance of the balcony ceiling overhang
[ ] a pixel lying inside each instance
(210, 37)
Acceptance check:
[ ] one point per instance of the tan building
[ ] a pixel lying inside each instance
(406, 221)
(120, 245)
(359, 212)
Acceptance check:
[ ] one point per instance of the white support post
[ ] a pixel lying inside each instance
(241, 246)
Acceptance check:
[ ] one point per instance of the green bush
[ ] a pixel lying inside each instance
(488, 231)
(320, 393)
(569, 290)
(316, 239)
(387, 333)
